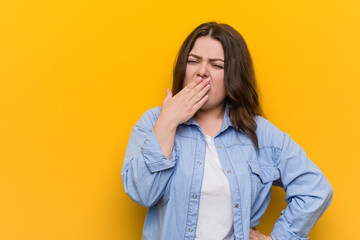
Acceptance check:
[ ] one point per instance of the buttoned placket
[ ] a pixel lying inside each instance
(198, 173)
(197, 178)
(235, 191)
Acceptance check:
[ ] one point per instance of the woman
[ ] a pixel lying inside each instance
(204, 162)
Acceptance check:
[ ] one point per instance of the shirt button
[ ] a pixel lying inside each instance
(237, 205)
(219, 146)
(194, 196)
(198, 162)
(201, 136)
(229, 171)
(190, 229)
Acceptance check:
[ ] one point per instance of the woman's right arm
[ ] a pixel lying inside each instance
(150, 154)
(146, 170)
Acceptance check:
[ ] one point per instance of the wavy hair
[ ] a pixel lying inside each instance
(240, 83)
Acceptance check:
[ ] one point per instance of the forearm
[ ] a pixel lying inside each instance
(165, 131)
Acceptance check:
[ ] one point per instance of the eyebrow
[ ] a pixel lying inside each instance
(210, 59)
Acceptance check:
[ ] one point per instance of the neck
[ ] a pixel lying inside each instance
(209, 115)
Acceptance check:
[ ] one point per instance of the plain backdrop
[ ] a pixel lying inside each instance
(75, 76)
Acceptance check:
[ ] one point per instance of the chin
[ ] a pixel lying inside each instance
(210, 104)
(207, 105)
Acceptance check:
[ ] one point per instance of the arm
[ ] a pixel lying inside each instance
(308, 192)
(150, 154)
(146, 169)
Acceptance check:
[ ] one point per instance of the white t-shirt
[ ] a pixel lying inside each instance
(215, 220)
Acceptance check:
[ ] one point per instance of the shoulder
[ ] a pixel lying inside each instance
(149, 117)
(264, 125)
(268, 134)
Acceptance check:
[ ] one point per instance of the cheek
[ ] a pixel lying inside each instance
(218, 90)
(219, 82)
(189, 73)
(186, 81)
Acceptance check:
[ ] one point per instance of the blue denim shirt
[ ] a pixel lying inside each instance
(170, 189)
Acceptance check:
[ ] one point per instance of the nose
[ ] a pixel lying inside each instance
(203, 70)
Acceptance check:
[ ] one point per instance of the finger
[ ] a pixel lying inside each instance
(168, 95)
(199, 104)
(197, 89)
(252, 234)
(200, 94)
(191, 85)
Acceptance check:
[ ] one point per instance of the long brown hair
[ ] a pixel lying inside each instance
(240, 84)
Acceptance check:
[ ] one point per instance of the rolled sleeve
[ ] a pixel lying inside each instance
(282, 231)
(154, 158)
(146, 170)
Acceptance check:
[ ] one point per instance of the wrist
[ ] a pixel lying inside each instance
(166, 124)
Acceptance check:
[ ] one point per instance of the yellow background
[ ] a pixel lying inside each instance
(75, 76)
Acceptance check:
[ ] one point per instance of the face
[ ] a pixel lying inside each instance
(206, 59)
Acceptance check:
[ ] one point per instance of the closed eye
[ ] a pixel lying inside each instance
(215, 65)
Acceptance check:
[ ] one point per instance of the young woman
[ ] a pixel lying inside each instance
(204, 162)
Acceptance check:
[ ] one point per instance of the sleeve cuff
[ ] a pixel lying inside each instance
(154, 158)
(281, 231)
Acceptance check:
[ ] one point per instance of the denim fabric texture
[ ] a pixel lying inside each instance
(170, 189)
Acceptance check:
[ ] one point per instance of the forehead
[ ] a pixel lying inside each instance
(208, 48)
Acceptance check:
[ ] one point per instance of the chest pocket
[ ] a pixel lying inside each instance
(262, 176)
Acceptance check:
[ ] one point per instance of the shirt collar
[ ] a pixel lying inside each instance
(226, 120)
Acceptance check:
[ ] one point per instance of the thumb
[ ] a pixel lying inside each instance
(168, 95)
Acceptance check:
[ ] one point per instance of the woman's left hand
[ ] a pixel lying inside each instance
(256, 235)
